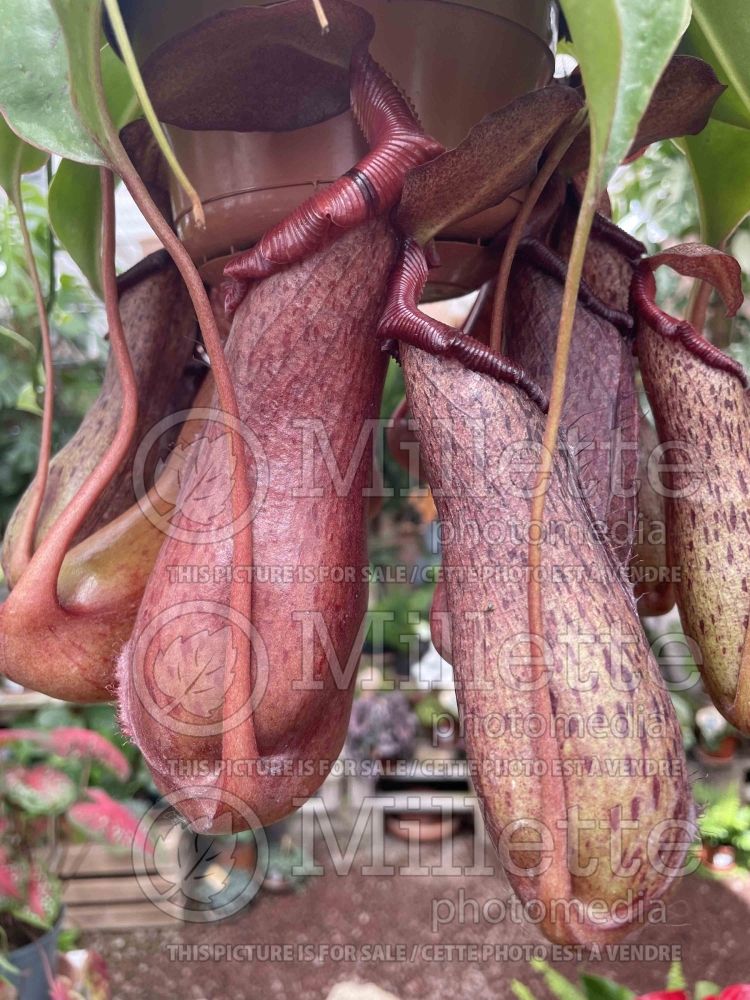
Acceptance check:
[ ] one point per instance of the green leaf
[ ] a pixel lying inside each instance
(75, 197)
(603, 989)
(521, 992)
(39, 790)
(75, 212)
(558, 985)
(43, 899)
(35, 94)
(16, 158)
(720, 163)
(704, 989)
(623, 47)
(16, 338)
(676, 977)
(722, 31)
(81, 26)
(730, 107)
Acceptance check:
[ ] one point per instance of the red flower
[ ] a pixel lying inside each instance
(739, 992)
(665, 995)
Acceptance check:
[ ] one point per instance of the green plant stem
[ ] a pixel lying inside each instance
(700, 299)
(552, 427)
(515, 236)
(28, 533)
(131, 64)
(555, 882)
(52, 284)
(48, 559)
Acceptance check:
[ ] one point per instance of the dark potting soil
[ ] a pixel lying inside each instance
(421, 937)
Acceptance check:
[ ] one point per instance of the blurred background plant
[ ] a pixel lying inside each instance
(654, 199)
(77, 328)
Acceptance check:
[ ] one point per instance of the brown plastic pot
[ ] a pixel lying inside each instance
(458, 60)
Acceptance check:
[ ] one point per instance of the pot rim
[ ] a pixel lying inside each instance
(521, 12)
(53, 931)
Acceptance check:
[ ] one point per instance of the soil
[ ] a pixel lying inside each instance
(706, 925)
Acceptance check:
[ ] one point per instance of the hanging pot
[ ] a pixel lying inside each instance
(207, 63)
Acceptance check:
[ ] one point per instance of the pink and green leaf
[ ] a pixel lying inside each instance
(102, 818)
(43, 899)
(40, 790)
(72, 741)
(13, 878)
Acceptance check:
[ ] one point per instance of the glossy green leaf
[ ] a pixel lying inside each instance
(41, 906)
(16, 158)
(520, 991)
(730, 107)
(722, 30)
(623, 47)
(35, 95)
(557, 984)
(703, 990)
(720, 163)
(80, 21)
(75, 197)
(16, 338)
(603, 989)
(75, 212)
(676, 977)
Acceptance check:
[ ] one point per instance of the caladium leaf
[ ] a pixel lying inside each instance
(720, 163)
(43, 898)
(74, 742)
(8, 736)
(499, 155)
(13, 879)
(102, 818)
(39, 790)
(681, 105)
(623, 47)
(71, 741)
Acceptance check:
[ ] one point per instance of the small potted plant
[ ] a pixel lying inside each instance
(382, 727)
(44, 798)
(288, 867)
(725, 830)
